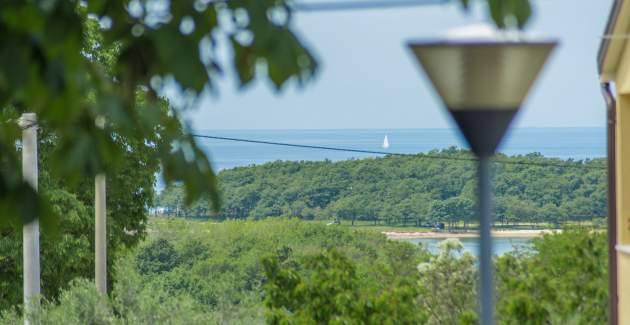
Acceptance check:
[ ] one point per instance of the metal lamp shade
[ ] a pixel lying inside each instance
(482, 83)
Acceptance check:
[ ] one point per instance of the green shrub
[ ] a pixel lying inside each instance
(561, 280)
(331, 293)
(131, 303)
(158, 257)
(448, 284)
(79, 304)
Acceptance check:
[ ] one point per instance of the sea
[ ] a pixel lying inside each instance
(564, 143)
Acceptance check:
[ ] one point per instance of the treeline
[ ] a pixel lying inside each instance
(406, 190)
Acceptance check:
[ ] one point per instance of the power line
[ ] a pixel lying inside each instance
(361, 5)
(304, 146)
(374, 152)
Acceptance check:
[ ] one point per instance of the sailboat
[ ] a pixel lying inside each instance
(385, 142)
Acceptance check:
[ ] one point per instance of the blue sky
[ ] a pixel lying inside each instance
(368, 78)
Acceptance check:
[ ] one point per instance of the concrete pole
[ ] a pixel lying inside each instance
(30, 230)
(100, 229)
(486, 269)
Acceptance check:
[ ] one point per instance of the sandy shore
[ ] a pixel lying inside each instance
(499, 234)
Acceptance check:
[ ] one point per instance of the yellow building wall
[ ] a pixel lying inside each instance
(623, 168)
(623, 285)
(622, 151)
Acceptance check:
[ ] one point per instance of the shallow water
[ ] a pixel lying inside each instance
(500, 245)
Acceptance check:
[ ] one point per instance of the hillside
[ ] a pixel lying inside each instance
(406, 190)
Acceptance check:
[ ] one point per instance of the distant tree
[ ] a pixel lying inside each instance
(173, 198)
(453, 209)
(552, 214)
(241, 201)
(157, 257)
(349, 207)
(580, 208)
(416, 207)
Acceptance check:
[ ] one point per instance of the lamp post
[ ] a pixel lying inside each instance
(482, 84)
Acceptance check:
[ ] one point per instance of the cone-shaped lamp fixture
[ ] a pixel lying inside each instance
(482, 83)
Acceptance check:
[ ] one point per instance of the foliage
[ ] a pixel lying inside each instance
(63, 257)
(330, 293)
(562, 280)
(219, 265)
(82, 304)
(315, 274)
(405, 190)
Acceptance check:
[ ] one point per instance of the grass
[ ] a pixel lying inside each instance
(369, 225)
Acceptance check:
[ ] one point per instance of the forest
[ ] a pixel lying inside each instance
(280, 271)
(423, 189)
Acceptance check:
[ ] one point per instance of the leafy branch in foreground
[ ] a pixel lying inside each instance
(50, 64)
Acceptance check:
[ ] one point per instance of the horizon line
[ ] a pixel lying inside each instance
(388, 129)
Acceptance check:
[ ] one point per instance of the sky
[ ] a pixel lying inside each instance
(369, 80)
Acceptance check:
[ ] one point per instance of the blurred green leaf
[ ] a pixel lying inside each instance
(70, 61)
(510, 13)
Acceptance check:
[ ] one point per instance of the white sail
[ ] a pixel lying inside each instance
(385, 142)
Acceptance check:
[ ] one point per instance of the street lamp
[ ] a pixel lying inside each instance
(482, 84)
